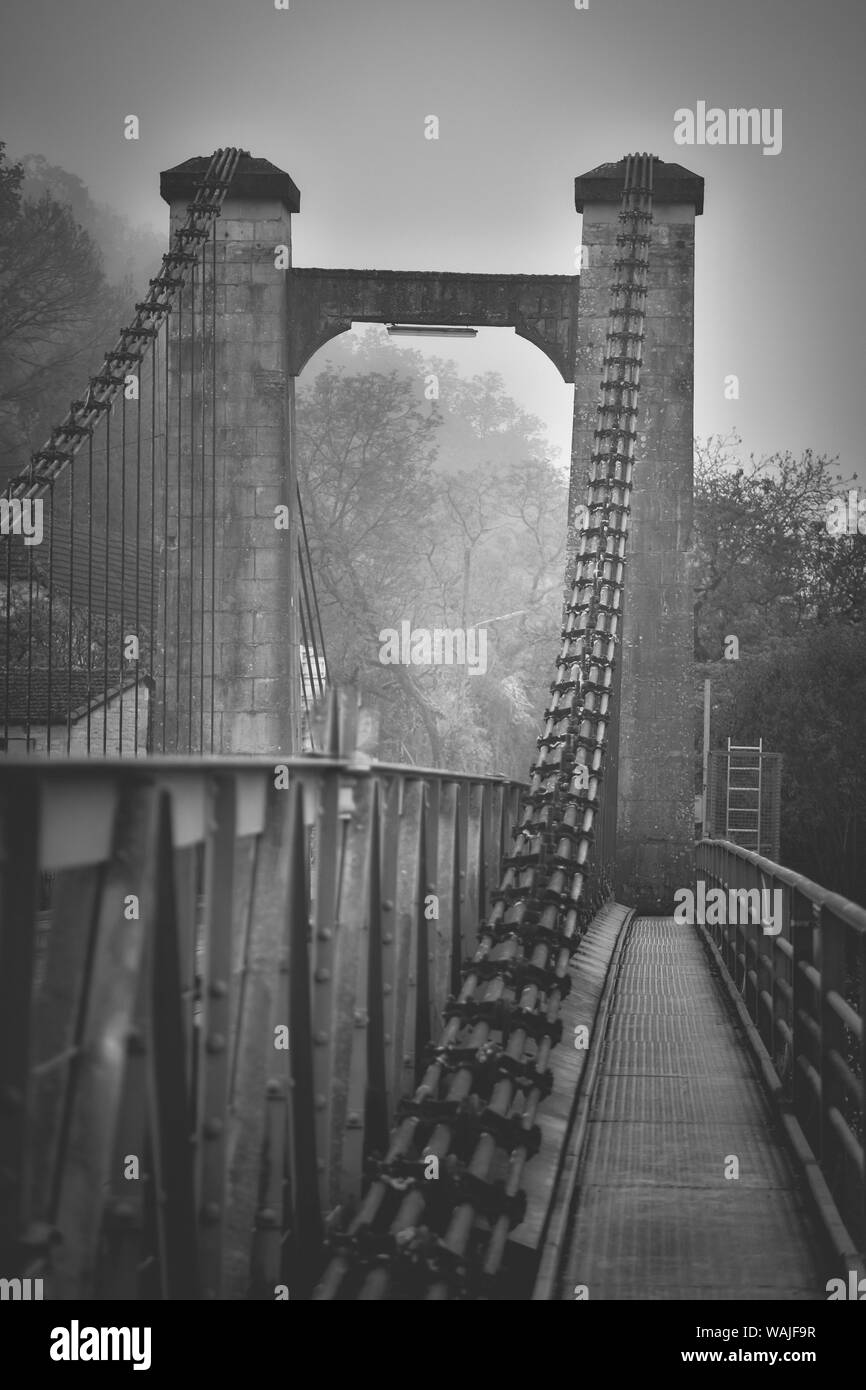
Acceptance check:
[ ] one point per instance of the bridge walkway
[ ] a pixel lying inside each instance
(677, 1098)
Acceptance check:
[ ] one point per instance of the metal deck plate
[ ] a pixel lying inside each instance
(656, 1218)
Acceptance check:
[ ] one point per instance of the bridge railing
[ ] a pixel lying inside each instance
(802, 974)
(217, 977)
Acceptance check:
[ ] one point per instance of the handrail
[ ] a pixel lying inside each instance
(231, 977)
(802, 976)
(312, 762)
(842, 907)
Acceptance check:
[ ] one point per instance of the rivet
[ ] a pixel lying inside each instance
(324, 934)
(320, 1102)
(274, 1088)
(387, 938)
(387, 1037)
(219, 989)
(322, 976)
(213, 1129)
(360, 1018)
(354, 1120)
(320, 1039)
(216, 1043)
(387, 905)
(412, 980)
(386, 989)
(211, 1213)
(407, 1059)
(266, 1219)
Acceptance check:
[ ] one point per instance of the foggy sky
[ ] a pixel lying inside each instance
(529, 93)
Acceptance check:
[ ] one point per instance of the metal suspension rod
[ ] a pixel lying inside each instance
(138, 633)
(306, 611)
(203, 468)
(179, 525)
(317, 628)
(213, 660)
(105, 594)
(192, 454)
(50, 616)
(120, 639)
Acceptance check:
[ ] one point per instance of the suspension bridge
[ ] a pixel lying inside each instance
(281, 1020)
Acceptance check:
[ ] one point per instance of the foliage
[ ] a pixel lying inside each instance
(442, 514)
(57, 313)
(807, 700)
(764, 563)
(767, 571)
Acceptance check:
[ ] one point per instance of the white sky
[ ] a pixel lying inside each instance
(529, 93)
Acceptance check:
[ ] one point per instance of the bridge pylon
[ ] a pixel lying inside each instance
(233, 349)
(650, 773)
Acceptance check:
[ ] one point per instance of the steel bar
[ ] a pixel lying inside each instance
(50, 618)
(106, 534)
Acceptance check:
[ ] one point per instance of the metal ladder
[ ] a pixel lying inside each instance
(744, 764)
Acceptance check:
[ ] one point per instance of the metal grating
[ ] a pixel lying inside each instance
(656, 1218)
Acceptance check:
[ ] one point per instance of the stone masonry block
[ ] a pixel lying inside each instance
(266, 499)
(269, 297)
(270, 693)
(266, 273)
(252, 733)
(270, 564)
(269, 439)
(250, 596)
(239, 298)
(229, 229)
(235, 273)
